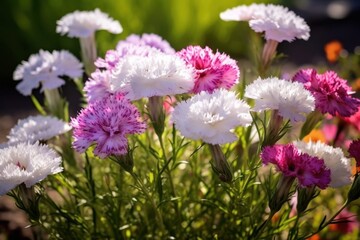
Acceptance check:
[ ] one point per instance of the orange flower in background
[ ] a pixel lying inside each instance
(332, 50)
(356, 85)
(315, 136)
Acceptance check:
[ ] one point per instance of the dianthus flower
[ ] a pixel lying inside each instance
(147, 39)
(308, 170)
(26, 163)
(213, 70)
(112, 57)
(106, 123)
(291, 99)
(332, 94)
(211, 117)
(278, 22)
(46, 68)
(354, 151)
(334, 160)
(97, 86)
(83, 24)
(37, 128)
(157, 74)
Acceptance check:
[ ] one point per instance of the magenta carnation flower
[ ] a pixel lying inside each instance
(147, 39)
(106, 123)
(354, 151)
(307, 169)
(98, 86)
(332, 94)
(213, 71)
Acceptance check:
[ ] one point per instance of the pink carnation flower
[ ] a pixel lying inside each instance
(98, 86)
(332, 94)
(354, 151)
(106, 123)
(213, 71)
(354, 119)
(307, 169)
(147, 39)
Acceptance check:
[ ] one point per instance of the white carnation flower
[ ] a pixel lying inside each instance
(83, 24)
(291, 99)
(211, 117)
(278, 22)
(46, 68)
(37, 128)
(334, 159)
(157, 74)
(26, 163)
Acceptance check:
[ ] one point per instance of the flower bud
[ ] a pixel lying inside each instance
(220, 166)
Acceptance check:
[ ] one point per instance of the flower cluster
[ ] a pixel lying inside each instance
(176, 113)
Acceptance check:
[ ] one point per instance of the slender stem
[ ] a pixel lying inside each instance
(150, 199)
(260, 230)
(322, 226)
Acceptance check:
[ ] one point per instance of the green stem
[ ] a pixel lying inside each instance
(322, 226)
(260, 230)
(150, 199)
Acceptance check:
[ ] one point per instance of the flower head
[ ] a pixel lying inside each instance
(26, 163)
(158, 74)
(46, 68)
(332, 94)
(292, 100)
(147, 39)
(278, 22)
(83, 24)
(334, 160)
(211, 117)
(309, 171)
(106, 123)
(98, 86)
(213, 70)
(354, 151)
(37, 128)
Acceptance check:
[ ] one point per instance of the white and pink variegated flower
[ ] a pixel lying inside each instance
(213, 70)
(107, 123)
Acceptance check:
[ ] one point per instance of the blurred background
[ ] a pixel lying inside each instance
(28, 26)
